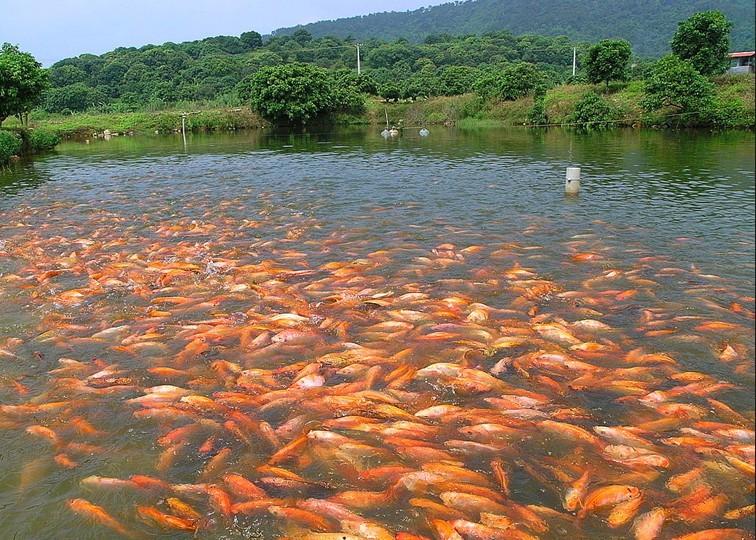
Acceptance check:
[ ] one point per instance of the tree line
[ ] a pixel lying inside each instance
(296, 78)
(211, 69)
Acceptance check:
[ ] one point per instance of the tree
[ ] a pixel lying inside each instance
(607, 61)
(297, 93)
(348, 78)
(704, 40)
(74, 97)
(22, 81)
(456, 80)
(514, 81)
(424, 84)
(65, 75)
(366, 84)
(592, 111)
(674, 82)
(302, 36)
(390, 92)
(252, 39)
(537, 115)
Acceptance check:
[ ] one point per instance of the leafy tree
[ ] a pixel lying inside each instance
(592, 111)
(67, 74)
(74, 97)
(607, 61)
(412, 89)
(347, 99)
(456, 80)
(675, 83)
(514, 81)
(388, 54)
(226, 44)
(367, 84)
(264, 59)
(297, 93)
(424, 84)
(22, 81)
(363, 83)
(211, 69)
(432, 39)
(111, 75)
(390, 91)
(302, 36)
(704, 40)
(252, 40)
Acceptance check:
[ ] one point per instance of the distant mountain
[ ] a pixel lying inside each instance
(647, 24)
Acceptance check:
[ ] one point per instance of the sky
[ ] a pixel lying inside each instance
(55, 29)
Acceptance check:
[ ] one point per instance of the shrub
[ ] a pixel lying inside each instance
(436, 118)
(41, 140)
(728, 113)
(537, 114)
(592, 111)
(10, 145)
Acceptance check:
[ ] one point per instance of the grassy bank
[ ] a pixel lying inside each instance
(86, 125)
(734, 102)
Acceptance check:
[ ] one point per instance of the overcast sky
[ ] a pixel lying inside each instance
(56, 29)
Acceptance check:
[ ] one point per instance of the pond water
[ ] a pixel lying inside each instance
(297, 335)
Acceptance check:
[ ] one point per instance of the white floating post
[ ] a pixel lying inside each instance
(572, 182)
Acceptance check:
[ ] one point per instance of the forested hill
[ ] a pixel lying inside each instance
(647, 24)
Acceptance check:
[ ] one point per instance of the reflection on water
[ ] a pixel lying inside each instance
(333, 332)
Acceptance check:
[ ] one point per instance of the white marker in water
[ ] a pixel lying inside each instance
(572, 182)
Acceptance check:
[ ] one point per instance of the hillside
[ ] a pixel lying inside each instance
(151, 77)
(647, 24)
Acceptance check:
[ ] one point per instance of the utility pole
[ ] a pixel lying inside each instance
(359, 65)
(574, 61)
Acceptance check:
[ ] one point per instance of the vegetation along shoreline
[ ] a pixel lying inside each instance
(494, 79)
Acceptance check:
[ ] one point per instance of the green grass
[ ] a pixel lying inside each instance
(84, 125)
(479, 123)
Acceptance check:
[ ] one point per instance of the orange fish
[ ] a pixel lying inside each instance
(166, 521)
(607, 496)
(98, 515)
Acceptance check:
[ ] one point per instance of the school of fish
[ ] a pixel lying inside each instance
(279, 379)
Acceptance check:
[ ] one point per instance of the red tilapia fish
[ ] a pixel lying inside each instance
(267, 376)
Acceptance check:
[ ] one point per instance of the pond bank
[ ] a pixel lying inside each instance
(18, 142)
(734, 109)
